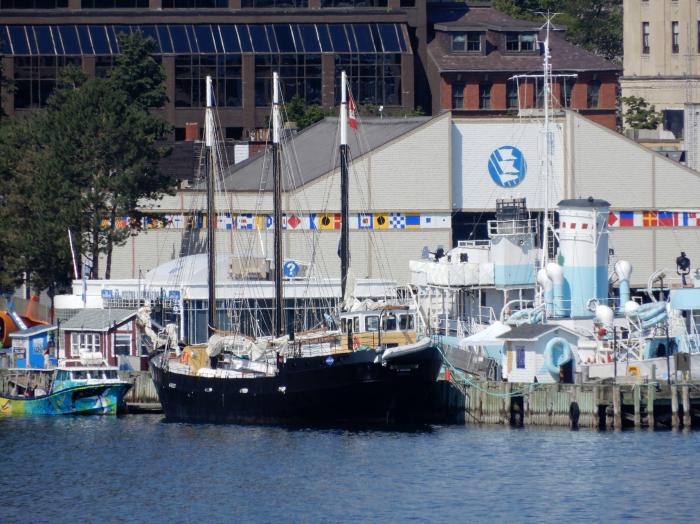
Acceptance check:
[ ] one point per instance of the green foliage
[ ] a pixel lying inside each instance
(6, 87)
(639, 114)
(304, 115)
(136, 73)
(36, 212)
(595, 25)
(84, 160)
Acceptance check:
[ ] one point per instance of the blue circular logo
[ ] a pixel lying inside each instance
(507, 166)
(291, 269)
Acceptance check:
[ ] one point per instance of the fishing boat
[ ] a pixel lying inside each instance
(65, 390)
(365, 367)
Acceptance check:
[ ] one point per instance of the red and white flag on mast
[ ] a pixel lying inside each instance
(352, 115)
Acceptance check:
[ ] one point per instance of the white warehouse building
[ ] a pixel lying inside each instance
(418, 184)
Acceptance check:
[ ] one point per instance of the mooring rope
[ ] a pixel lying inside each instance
(465, 380)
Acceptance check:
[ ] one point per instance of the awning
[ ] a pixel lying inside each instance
(488, 336)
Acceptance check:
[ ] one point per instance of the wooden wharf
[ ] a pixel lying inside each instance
(603, 406)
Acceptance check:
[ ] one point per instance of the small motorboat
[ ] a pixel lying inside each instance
(66, 390)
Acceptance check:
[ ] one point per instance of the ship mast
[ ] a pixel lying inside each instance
(547, 78)
(547, 73)
(344, 191)
(277, 205)
(210, 176)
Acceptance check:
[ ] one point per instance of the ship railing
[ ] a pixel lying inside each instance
(473, 243)
(512, 227)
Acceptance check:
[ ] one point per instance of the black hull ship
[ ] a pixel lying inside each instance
(367, 368)
(347, 388)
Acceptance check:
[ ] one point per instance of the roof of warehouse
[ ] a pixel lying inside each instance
(315, 152)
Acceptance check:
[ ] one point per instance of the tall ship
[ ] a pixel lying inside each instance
(363, 364)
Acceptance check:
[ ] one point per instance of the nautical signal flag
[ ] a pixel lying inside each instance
(381, 221)
(650, 219)
(626, 218)
(352, 112)
(413, 221)
(327, 221)
(397, 221)
(365, 221)
(246, 221)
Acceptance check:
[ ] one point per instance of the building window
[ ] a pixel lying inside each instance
(300, 75)
(593, 93)
(408, 3)
(122, 344)
(178, 4)
(512, 94)
(485, 95)
(675, 36)
(520, 357)
(470, 41)
(191, 72)
(458, 95)
(110, 4)
(35, 78)
(565, 88)
(274, 3)
(645, 38)
(353, 3)
(33, 4)
(520, 42)
(84, 343)
(375, 79)
(234, 133)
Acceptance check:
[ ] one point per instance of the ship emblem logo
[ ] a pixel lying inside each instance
(329, 361)
(507, 166)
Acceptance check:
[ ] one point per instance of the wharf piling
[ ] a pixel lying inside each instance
(590, 405)
(142, 397)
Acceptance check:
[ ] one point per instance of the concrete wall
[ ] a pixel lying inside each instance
(655, 75)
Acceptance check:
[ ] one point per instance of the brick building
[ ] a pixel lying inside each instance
(475, 52)
(398, 53)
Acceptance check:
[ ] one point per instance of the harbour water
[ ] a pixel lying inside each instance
(141, 469)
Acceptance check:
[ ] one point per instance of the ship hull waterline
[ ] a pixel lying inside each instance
(349, 388)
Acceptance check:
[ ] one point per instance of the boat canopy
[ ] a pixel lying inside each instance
(488, 336)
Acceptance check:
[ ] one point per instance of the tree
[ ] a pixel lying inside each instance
(595, 25)
(304, 115)
(108, 146)
(136, 72)
(6, 86)
(639, 114)
(85, 159)
(37, 209)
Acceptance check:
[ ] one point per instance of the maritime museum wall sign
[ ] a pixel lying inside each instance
(504, 159)
(507, 166)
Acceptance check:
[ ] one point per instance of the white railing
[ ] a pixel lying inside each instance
(511, 227)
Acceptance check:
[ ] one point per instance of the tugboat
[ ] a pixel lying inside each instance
(372, 370)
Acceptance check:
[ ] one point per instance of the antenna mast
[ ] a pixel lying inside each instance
(547, 78)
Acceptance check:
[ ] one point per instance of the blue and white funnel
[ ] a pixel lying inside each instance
(583, 241)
